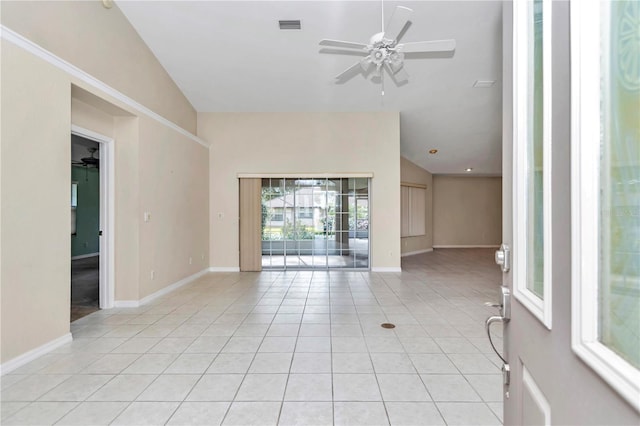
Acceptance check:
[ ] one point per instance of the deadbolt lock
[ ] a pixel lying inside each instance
(503, 258)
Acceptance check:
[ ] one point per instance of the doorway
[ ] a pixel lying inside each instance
(315, 223)
(91, 254)
(85, 227)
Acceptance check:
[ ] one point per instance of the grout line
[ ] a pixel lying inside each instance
(226, 295)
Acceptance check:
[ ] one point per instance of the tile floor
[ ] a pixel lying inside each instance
(288, 348)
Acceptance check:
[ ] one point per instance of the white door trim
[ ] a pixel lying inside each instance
(522, 13)
(107, 213)
(586, 23)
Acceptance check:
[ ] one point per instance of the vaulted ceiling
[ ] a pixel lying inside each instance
(232, 56)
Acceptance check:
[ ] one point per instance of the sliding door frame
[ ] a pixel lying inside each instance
(367, 176)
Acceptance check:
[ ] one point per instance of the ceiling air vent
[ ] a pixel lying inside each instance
(290, 25)
(484, 84)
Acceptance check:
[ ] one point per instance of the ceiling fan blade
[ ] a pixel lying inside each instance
(428, 46)
(366, 63)
(343, 44)
(349, 72)
(336, 51)
(397, 22)
(401, 76)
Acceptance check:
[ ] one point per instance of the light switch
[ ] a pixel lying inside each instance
(147, 216)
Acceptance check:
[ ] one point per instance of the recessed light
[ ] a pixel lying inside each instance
(484, 84)
(468, 169)
(433, 151)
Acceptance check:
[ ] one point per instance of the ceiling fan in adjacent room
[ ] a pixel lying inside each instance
(383, 51)
(90, 161)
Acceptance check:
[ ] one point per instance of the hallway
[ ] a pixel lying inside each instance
(282, 348)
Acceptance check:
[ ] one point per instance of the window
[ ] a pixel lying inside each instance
(413, 210)
(74, 205)
(606, 191)
(532, 156)
(305, 212)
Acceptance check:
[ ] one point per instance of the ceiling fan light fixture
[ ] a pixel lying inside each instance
(468, 169)
(396, 61)
(365, 64)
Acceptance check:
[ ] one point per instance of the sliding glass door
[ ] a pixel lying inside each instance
(315, 223)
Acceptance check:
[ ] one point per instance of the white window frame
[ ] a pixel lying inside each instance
(522, 11)
(587, 17)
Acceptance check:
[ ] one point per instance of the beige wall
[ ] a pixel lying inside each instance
(165, 174)
(157, 169)
(412, 173)
(102, 43)
(303, 143)
(467, 211)
(174, 188)
(36, 154)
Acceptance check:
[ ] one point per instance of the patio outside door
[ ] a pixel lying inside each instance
(315, 223)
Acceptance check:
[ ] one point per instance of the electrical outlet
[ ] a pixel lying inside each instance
(153, 274)
(220, 215)
(147, 216)
(191, 261)
(202, 256)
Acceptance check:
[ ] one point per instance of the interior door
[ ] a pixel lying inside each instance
(552, 379)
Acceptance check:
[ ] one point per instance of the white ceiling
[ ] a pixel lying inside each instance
(231, 56)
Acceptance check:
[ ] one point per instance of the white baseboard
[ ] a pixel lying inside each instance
(84, 256)
(168, 289)
(29, 356)
(411, 253)
(386, 269)
(172, 287)
(467, 246)
(224, 269)
(126, 304)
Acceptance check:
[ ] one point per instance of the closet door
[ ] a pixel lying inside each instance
(250, 223)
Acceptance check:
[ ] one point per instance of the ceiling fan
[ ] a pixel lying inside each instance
(385, 53)
(88, 161)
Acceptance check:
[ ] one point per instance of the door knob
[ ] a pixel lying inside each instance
(503, 317)
(503, 257)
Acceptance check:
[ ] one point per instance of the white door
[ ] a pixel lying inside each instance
(571, 173)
